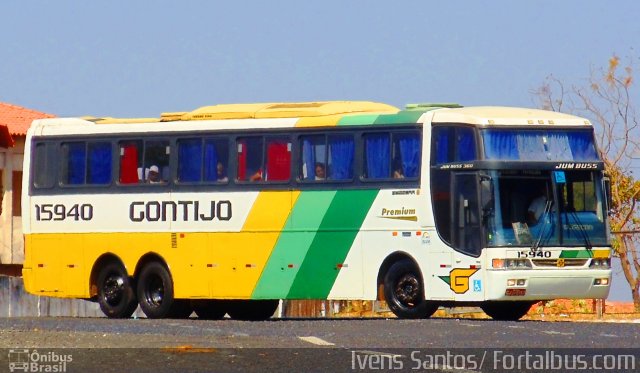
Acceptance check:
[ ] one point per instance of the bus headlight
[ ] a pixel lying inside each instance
(602, 263)
(511, 263)
(601, 281)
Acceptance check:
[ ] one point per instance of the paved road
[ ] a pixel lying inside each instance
(293, 345)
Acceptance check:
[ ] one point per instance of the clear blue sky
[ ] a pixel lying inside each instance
(141, 58)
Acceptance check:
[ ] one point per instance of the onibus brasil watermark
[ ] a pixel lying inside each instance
(25, 360)
(493, 359)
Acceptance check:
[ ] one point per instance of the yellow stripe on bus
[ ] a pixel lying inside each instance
(324, 121)
(240, 258)
(601, 253)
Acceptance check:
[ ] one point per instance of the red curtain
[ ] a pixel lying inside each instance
(129, 165)
(242, 160)
(278, 161)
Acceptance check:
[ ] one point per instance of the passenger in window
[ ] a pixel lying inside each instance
(257, 176)
(321, 173)
(154, 175)
(222, 175)
(397, 170)
(397, 173)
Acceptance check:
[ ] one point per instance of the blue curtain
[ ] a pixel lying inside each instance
(308, 160)
(211, 162)
(341, 158)
(76, 163)
(531, 146)
(410, 154)
(442, 144)
(466, 145)
(378, 157)
(582, 146)
(189, 160)
(99, 163)
(500, 145)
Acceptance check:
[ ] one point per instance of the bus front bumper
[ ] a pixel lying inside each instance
(548, 284)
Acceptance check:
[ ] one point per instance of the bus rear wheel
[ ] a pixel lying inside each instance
(506, 311)
(155, 293)
(252, 310)
(210, 309)
(404, 291)
(116, 296)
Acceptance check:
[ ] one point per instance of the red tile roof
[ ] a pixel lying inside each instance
(18, 119)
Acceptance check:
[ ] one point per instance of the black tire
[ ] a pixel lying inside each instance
(404, 291)
(116, 296)
(155, 293)
(506, 311)
(252, 310)
(210, 309)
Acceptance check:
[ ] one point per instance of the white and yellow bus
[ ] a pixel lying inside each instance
(229, 208)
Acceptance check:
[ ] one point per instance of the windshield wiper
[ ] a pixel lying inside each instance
(585, 235)
(538, 241)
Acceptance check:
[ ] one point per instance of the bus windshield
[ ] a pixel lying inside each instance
(545, 208)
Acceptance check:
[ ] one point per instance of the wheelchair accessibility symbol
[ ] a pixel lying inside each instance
(477, 286)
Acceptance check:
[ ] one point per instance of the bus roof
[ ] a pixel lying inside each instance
(497, 115)
(306, 114)
(262, 111)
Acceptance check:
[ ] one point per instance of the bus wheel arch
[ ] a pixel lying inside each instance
(403, 287)
(112, 287)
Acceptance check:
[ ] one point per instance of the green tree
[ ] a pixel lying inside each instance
(607, 100)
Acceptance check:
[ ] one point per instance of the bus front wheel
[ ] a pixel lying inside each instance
(404, 291)
(116, 296)
(506, 311)
(155, 293)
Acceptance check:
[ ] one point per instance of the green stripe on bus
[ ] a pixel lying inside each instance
(292, 245)
(402, 117)
(575, 254)
(331, 244)
(358, 120)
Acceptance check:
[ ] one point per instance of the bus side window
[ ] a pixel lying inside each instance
(340, 156)
(250, 167)
(406, 155)
(465, 144)
(441, 145)
(377, 155)
(99, 163)
(313, 159)
(43, 165)
(74, 163)
(190, 160)
(156, 160)
(216, 160)
(392, 155)
(278, 159)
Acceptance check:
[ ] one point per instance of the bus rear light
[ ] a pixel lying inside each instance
(511, 282)
(521, 282)
(497, 263)
(515, 292)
